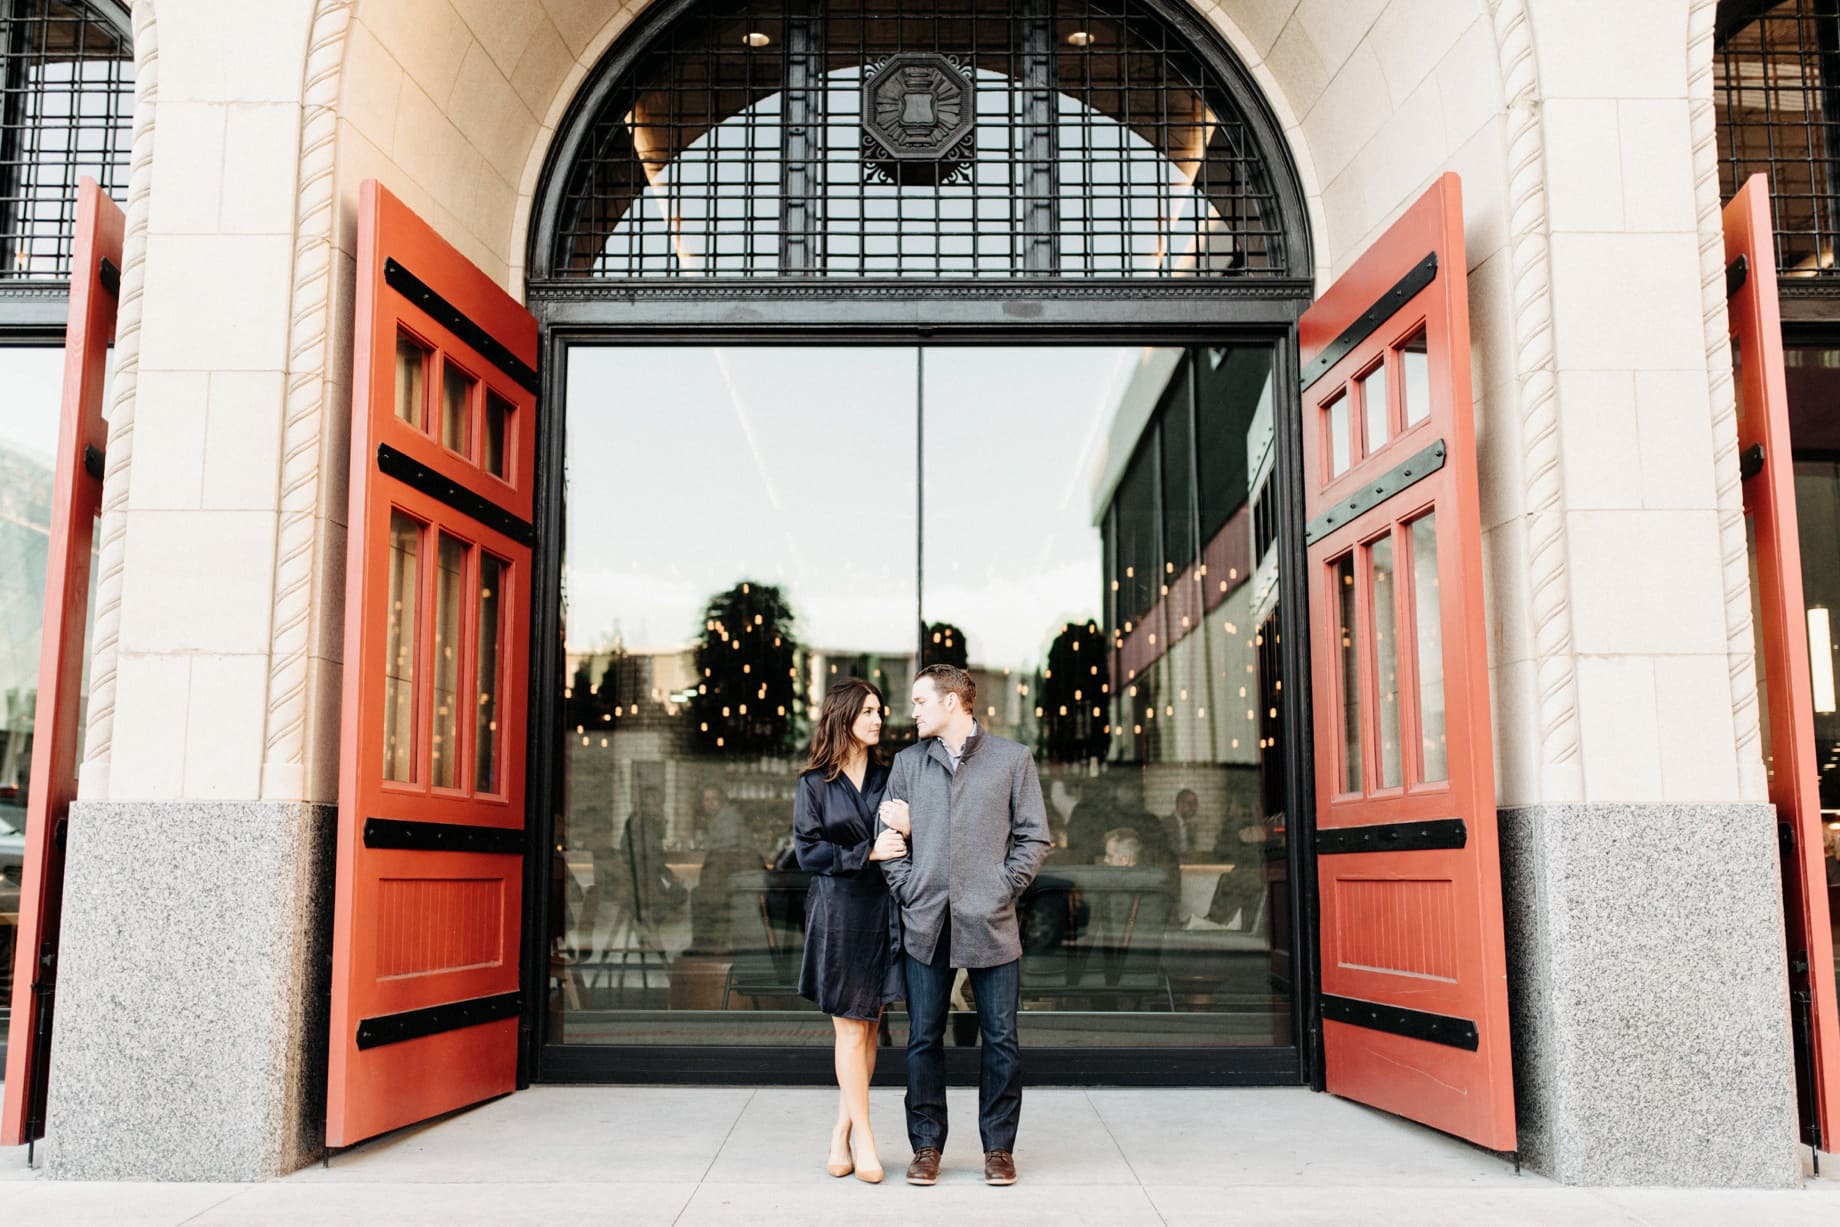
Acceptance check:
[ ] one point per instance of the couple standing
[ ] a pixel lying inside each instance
(916, 870)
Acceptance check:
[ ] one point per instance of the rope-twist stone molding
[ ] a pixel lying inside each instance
(112, 533)
(1734, 544)
(1555, 667)
(309, 366)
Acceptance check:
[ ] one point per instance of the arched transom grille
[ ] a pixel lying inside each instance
(967, 139)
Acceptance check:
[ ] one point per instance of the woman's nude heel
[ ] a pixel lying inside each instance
(868, 1175)
(848, 1165)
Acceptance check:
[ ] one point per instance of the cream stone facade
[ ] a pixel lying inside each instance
(1616, 576)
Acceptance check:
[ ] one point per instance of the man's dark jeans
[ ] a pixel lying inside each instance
(929, 990)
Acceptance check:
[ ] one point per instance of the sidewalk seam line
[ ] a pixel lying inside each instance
(1129, 1166)
(723, 1145)
(225, 1200)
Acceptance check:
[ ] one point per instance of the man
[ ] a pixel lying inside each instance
(969, 804)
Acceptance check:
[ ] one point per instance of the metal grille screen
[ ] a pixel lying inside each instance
(67, 88)
(1033, 138)
(1776, 77)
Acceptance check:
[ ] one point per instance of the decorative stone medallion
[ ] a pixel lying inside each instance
(917, 106)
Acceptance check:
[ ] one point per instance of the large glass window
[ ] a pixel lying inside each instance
(66, 96)
(744, 528)
(1814, 424)
(30, 380)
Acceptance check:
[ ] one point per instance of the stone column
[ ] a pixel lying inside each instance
(190, 1025)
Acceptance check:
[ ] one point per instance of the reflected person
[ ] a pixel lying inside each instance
(851, 940)
(970, 805)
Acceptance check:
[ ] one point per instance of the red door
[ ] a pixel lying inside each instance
(76, 498)
(1782, 644)
(431, 787)
(1414, 980)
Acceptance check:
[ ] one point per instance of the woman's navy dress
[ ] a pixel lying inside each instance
(851, 967)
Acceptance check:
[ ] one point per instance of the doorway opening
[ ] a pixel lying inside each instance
(1095, 531)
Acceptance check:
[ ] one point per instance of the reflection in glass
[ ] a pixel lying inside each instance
(450, 569)
(1374, 408)
(1386, 658)
(491, 633)
(1415, 378)
(456, 398)
(728, 559)
(1434, 762)
(1342, 576)
(411, 362)
(399, 650)
(740, 533)
(498, 414)
(1341, 446)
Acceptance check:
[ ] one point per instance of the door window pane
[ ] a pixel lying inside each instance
(411, 366)
(741, 533)
(450, 575)
(33, 380)
(1374, 408)
(498, 416)
(1340, 444)
(399, 649)
(491, 634)
(1415, 378)
(1386, 657)
(1341, 576)
(456, 400)
(1178, 477)
(1434, 756)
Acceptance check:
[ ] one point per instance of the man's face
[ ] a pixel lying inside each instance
(931, 709)
(1187, 805)
(712, 802)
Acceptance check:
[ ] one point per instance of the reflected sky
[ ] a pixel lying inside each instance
(691, 469)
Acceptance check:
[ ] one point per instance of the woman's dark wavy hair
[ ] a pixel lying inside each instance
(831, 739)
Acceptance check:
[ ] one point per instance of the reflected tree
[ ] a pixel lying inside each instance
(746, 699)
(1075, 690)
(941, 643)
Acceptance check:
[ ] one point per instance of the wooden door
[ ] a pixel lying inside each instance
(76, 499)
(1414, 982)
(1768, 468)
(428, 916)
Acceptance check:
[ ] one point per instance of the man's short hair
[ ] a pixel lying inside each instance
(950, 679)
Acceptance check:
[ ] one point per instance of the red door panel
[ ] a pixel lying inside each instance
(431, 789)
(1782, 635)
(1414, 982)
(76, 499)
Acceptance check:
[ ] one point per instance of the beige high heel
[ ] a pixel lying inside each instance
(848, 1165)
(868, 1175)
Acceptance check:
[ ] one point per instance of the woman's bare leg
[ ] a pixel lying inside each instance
(853, 1084)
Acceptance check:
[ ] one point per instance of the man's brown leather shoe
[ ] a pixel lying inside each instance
(925, 1167)
(999, 1167)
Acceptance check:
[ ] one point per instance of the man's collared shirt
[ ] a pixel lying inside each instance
(952, 760)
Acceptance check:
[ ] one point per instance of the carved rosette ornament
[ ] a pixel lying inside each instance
(918, 109)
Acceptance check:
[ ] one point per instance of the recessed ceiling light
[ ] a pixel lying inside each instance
(1080, 38)
(756, 39)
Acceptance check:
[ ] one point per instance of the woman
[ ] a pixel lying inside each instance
(851, 939)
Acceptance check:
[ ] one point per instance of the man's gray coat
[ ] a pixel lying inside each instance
(979, 838)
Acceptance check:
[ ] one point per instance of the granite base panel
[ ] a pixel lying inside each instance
(1649, 994)
(190, 1035)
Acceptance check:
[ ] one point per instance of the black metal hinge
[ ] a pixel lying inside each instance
(1750, 462)
(1397, 1020)
(1402, 477)
(1735, 274)
(1434, 835)
(435, 1019)
(110, 277)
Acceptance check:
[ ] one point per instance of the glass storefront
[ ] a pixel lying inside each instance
(1088, 530)
(31, 377)
(1814, 424)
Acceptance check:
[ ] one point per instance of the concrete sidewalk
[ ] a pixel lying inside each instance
(654, 1155)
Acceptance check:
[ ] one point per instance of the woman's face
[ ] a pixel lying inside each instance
(868, 726)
